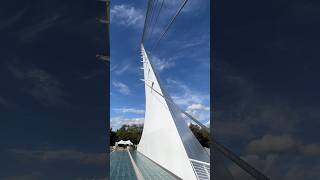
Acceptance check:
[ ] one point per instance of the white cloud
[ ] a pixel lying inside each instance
(117, 122)
(121, 70)
(125, 67)
(184, 96)
(121, 87)
(130, 110)
(207, 123)
(200, 111)
(195, 107)
(191, 6)
(162, 64)
(113, 67)
(189, 100)
(203, 41)
(127, 15)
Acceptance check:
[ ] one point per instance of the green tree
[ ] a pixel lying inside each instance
(134, 132)
(201, 134)
(112, 137)
(129, 132)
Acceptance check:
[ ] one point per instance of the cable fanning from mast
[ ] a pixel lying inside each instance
(157, 17)
(146, 21)
(169, 25)
(153, 12)
(150, 18)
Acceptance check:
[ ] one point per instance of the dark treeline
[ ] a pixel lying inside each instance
(202, 135)
(126, 132)
(133, 133)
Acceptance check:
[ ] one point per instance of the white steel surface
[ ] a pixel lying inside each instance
(166, 137)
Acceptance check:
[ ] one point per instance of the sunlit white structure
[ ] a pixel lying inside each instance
(166, 138)
(122, 142)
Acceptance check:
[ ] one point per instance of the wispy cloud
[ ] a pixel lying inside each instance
(45, 88)
(162, 64)
(202, 41)
(121, 87)
(119, 69)
(190, 7)
(200, 111)
(129, 110)
(186, 96)
(195, 107)
(117, 122)
(189, 100)
(169, 10)
(127, 15)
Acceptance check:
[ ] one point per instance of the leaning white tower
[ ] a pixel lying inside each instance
(166, 138)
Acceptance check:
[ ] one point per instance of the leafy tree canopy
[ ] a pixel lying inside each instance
(134, 132)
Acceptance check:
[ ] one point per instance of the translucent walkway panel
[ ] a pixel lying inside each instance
(121, 167)
(149, 169)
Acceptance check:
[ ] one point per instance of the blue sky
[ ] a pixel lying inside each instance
(182, 58)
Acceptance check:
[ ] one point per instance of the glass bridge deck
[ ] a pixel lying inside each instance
(121, 167)
(149, 169)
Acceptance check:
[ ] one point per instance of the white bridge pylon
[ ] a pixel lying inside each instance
(166, 138)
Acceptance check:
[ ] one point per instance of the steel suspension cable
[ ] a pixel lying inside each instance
(145, 21)
(225, 151)
(149, 22)
(154, 11)
(169, 25)
(157, 17)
